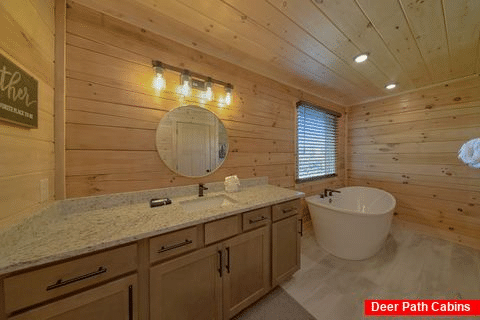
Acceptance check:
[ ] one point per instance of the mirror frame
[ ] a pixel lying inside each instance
(173, 149)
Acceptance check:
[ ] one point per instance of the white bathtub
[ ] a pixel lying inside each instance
(352, 224)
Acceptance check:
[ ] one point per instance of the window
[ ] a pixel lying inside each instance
(316, 142)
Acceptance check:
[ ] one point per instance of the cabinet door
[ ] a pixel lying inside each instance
(188, 287)
(113, 301)
(247, 270)
(285, 248)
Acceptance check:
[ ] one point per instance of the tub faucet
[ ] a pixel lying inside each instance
(201, 187)
(328, 192)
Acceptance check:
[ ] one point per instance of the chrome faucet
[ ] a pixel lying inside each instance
(201, 187)
(328, 192)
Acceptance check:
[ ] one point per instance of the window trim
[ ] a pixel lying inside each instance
(328, 111)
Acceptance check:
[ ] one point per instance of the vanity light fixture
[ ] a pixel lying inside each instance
(228, 94)
(361, 58)
(158, 81)
(190, 80)
(390, 86)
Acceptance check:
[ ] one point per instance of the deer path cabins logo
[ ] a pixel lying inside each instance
(18, 95)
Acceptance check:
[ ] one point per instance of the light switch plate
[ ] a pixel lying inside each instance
(44, 190)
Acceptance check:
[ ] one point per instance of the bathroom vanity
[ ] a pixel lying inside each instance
(96, 260)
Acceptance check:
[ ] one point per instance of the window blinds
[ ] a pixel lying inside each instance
(316, 143)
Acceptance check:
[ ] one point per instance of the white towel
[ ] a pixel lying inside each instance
(470, 153)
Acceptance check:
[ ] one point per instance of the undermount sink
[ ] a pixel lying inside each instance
(205, 203)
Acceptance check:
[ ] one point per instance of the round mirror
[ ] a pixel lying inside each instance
(192, 141)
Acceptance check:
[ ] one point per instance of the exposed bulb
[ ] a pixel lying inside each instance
(185, 79)
(208, 95)
(228, 94)
(228, 98)
(185, 88)
(159, 82)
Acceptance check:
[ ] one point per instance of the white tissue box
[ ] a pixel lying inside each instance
(232, 184)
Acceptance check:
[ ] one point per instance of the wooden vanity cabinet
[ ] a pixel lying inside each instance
(286, 232)
(116, 300)
(247, 270)
(215, 282)
(210, 271)
(99, 286)
(188, 287)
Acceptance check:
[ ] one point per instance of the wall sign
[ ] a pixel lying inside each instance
(18, 95)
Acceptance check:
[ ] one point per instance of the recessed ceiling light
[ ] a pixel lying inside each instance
(390, 86)
(361, 57)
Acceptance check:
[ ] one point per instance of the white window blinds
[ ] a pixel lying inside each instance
(316, 142)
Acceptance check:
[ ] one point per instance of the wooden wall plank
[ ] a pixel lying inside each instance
(60, 63)
(460, 183)
(464, 121)
(22, 156)
(46, 11)
(38, 31)
(444, 112)
(411, 151)
(438, 192)
(21, 194)
(450, 134)
(24, 46)
(459, 171)
(112, 112)
(27, 155)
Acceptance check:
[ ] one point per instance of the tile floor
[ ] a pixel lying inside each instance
(410, 265)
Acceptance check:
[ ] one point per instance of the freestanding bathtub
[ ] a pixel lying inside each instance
(354, 223)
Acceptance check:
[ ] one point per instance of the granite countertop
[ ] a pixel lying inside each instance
(67, 230)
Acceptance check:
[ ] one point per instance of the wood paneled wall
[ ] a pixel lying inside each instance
(27, 155)
(113, 112)
(408, 145)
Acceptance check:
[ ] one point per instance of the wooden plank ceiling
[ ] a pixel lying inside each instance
(310, 44)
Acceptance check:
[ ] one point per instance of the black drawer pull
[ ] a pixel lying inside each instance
(228, 260)
(301, 227)
(61, 283)
(130, 302)
(221, 262)
(175, 246)
(257, 220)
(288, 210)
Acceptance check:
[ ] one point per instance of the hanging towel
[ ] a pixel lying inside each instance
(470, 153)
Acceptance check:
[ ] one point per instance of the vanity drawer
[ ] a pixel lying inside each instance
(285, 209)
(222, 229)
(36, 286)
(174, 243)
(256, 218)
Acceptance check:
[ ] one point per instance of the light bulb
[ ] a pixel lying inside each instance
(228, 98)
(228, 94)
(186, 88)
(390, 86)
(208, 93)
(159, 82)
(361, 58)
(185, 79)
